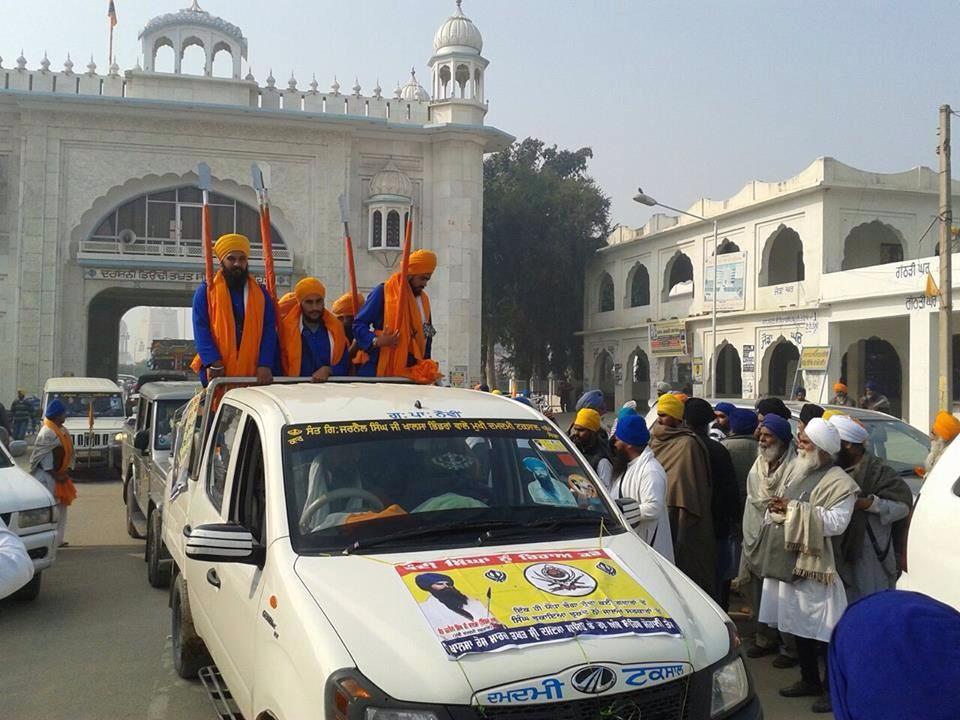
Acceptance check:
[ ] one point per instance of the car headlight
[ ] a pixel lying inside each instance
(383, 714)
(730, 687)
(37, 516)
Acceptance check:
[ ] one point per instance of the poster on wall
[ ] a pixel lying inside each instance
(749, 361)
(697, 368)
(668, 338)
(731, 281)
(458, 376)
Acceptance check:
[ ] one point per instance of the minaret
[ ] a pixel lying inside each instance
(458, 69)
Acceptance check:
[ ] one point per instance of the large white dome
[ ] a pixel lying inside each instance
(458, 33)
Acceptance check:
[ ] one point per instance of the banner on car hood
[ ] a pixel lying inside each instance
(488, 603)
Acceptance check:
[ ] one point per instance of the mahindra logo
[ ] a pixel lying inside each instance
(594, 679)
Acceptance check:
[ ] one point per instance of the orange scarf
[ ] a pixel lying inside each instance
(242, 361)
(291, 344)
(393, 360)
(63, 490)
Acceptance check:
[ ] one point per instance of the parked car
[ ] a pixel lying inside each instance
(29, 510)
(96, 445)
(318, 525)
(933, 557)
(147, 444)
(133, 395)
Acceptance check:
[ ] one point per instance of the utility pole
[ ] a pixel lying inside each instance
(945, 388)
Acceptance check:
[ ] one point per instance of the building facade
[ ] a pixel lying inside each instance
(834, 257)
(99, 210)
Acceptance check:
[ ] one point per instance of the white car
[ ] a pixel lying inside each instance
(374, 551)
(933, 560)
(96, 445)
(29, 510)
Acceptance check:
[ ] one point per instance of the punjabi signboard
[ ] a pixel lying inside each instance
(731, 280)
(194, 277)
(488, 603)
(668, 337)
(815, 358)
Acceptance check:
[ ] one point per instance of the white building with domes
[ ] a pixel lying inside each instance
(99, 210)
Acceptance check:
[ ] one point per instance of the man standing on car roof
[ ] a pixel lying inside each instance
(866, 557)
(312, 341)
(235, 329)
(404, 350)
(51, 460)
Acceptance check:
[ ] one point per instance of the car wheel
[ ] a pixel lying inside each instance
(189, 652)
(158, 572)
(30, 590)
(131, 504)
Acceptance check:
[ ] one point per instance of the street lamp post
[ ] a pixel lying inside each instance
(644, 199)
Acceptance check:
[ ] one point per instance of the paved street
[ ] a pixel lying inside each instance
(95, 645)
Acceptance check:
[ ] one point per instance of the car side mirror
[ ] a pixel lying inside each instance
(631, 511)
(141, 441)
(223, 542)
(18, 448)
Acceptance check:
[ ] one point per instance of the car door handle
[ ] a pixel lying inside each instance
(213, 578)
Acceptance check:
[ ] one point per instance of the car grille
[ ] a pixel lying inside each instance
(662, 702)
(90, 440)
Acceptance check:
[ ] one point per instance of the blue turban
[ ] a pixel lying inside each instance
(591, 399)
(625, 412)
(871, 385)
(55, 409)
(725, 408)
(779, 427)
(743, 421)
(894, 655)
(523, 400)
(632, 430)
(425, 580)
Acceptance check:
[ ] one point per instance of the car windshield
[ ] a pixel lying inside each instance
(458, 482)
(902, 446)
(78, 404)
(163, 428)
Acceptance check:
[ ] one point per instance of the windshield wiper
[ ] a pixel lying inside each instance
(420, 532)
(548, 524)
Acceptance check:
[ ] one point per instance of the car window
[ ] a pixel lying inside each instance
(222, 445)
(248, 498)
(163, 423)
(902, 446)
(361, 479)
(105, 404)
(143, 414)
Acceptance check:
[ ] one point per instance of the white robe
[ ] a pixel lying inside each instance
(646, 482)
(16, 567)
(805, 607)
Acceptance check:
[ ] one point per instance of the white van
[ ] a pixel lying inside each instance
(99, 445)
(373, 551)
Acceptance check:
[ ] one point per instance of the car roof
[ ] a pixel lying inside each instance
(794, 407)
(170, 390)
(345, 401)
(80, 384)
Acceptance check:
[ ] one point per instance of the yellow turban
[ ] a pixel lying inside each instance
(671, 405)
(946, 426)
(588, 418)
(496, 392)
(229, 243)
(831, 413)
(307, 287)
(422, 262)
(344, 304)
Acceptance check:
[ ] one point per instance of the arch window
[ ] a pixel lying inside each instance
(167, 223)
(729, 377)
(393, 229)
(376, 229)
(782, 258)
(164, 59)
(726, 247)
(193, 57)
(222, 64)
(639, 284)
(678, 277)
(463, 79)
(606, 293)
(872, 243)
(781, 361)
(445, 78)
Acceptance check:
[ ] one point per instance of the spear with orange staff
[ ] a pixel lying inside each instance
(344, 203)
(263, 199)
(404, 264)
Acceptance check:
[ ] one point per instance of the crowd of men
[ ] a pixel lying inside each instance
(802, 522)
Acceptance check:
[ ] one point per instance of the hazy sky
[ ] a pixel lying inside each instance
(684, 98)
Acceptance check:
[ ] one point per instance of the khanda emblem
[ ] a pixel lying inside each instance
(498, 576)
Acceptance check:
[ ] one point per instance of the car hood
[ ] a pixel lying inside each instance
(101, 424)
(382, 626)
(21, 491)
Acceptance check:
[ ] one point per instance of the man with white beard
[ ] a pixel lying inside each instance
(945, 428)
(775, 455)
(802, 591)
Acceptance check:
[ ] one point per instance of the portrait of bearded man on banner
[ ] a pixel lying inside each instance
(449, 606)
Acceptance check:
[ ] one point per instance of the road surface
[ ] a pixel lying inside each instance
(96, 644)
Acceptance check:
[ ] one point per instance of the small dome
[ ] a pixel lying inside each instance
(458, 32)
(414, 90)
(391, 181)
(195, 15)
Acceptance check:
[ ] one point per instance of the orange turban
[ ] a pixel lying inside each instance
(307, 287)
(344, 304)
(840, 388)
(946, 426)
(231, 242)
(671, 405)
(422, 262)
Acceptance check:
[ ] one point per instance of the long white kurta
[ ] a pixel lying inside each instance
(806, 607)
(646, 482)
